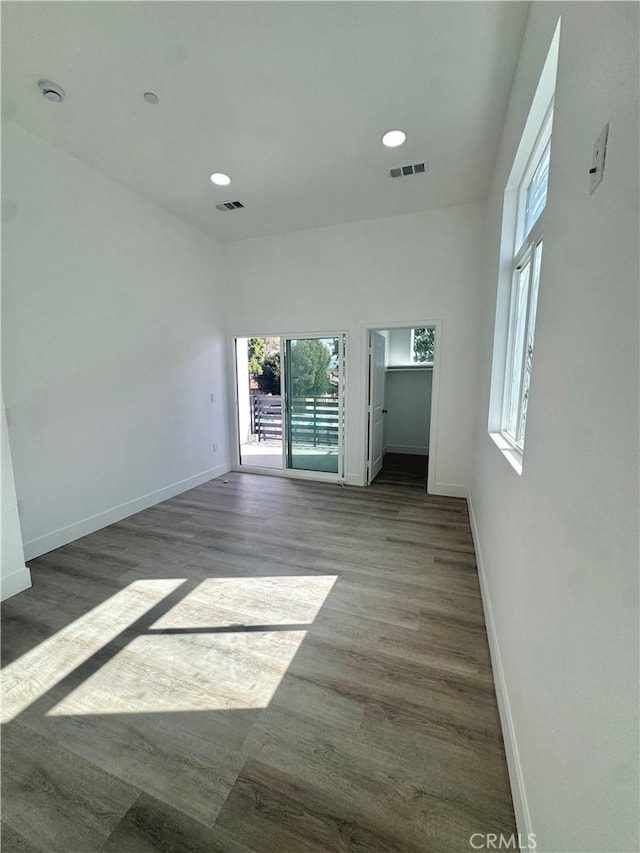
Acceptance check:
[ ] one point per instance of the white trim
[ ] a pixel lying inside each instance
(528, 245)
(407, 448)
(284, 409)
(294, 335)
(542, 99)
(509, 450)
(342, 338)
(354, 480)
(432, 486)
(516, 776)
(423, 365)
(540, 117)
(57, 538)
(291, 473)
(234, 425)
(15, 582)
(448, 490)
(535, 158)
(526, 258)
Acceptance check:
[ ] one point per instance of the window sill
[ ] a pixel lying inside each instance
(510, 453)
(422, 366)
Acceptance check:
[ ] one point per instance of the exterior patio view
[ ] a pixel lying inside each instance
(299, 429)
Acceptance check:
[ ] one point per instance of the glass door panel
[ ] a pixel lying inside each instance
(313, 403)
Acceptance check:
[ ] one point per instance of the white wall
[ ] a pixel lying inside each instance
(399, 347)
(14, 575)
(408, 269)
(408, 402)
(558, 546)
(111, 345)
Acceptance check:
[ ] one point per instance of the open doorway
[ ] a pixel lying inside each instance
(401, 405)
(259, 402)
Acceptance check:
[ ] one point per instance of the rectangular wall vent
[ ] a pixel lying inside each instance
(230, 205)
(403, 171)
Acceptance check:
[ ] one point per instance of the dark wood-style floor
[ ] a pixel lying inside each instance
(404, 469)
(256, 665)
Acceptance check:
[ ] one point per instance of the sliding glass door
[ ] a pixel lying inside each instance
(313, 403)
(290, 394)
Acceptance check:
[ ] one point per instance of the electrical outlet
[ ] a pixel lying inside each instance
(213, 398)
(215, 446)
(596, 172)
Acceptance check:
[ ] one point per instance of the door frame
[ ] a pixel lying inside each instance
(342, 394)
(435, 388)
(371, 405)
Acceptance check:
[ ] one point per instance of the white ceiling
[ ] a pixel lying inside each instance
(290, 99)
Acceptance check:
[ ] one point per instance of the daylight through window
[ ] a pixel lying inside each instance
(422, 345)
(532, 197)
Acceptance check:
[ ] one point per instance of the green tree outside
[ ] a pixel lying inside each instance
(268, 379)
(309, 368)
(423, 345)
(309, 371)
(257, 352)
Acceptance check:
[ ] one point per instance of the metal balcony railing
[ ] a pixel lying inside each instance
(314, 421)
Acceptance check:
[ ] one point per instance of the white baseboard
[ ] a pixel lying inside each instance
(57, 538)
(354, 480)
(518, 790)
(407, 448)
(449, 490)
(14, 583)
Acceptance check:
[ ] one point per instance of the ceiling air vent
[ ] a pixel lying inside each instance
(403, 171)
(230, 205)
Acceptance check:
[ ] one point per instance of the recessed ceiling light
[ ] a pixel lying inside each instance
(220, 179)
(393, 138)
(151, 97)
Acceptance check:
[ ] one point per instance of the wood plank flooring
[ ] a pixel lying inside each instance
(257, 665)
(404, 469)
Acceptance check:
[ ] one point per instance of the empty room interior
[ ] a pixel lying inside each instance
(320, 437)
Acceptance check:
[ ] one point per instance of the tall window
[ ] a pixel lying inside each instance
(532, 197)
(519, 266)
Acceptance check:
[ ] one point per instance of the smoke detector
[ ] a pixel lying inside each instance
(51, 91)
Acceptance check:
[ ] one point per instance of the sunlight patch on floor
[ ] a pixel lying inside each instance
(198, 672)
(228, 644)
(269, 601)
(29, 677)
